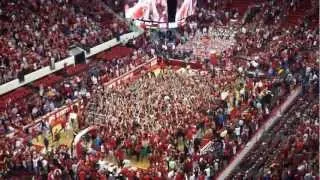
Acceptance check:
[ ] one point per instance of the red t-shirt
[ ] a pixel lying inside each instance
(119, 154)
(138, 148)
(188, 166)
(299, 145)
(51, 176)
(213, 59)
(201, 177)
(128, 143)
(112, 143)
(82, 175)
(179, 176)
(189, 133)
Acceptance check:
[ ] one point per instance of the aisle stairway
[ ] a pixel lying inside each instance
(13, 97)
(241, 5)
(115, 53)
(295, 15)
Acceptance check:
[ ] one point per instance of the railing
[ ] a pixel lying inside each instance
(12, 85)
(257, 136)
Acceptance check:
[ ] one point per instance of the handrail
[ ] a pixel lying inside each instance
(45, 71)
(257, 136)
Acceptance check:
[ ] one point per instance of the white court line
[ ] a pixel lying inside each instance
(236, 161)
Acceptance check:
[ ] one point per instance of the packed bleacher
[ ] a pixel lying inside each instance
(264, 30)
(290, 150)
(258, 53)
(36, 33)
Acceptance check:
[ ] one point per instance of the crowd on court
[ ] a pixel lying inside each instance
(138, 114)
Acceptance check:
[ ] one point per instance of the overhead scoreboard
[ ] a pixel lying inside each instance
(159, 13)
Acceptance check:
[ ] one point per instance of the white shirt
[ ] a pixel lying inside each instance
(207, 170)
(35, 162)
(237, 131)
(171, 174)
(44, 163)
(94, 80)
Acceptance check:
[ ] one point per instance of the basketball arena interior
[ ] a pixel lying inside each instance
(159, 89)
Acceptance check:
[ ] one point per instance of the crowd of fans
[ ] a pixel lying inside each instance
(212, 40)
(258, 31)
(162, 117)
(46, 99)
(37, 33)
(146, 118)
(181, 115)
